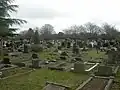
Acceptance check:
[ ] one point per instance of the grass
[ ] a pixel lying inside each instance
(94, 55)
(36, 80)
(48, 55)
(116, 86)
(14, 71)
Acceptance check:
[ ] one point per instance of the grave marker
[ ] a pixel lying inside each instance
(104, 71)
(79, 67)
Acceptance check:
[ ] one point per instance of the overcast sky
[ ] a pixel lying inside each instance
(64, 13)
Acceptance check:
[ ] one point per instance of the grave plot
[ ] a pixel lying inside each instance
(102, 82)
(84, 67)
(62, 66)
(20, 58)
(90, 66)
(41, 63)
(94, 84)
(55, 86)
(94, 57)
(6, 72)
(38, 78)
(106, 70)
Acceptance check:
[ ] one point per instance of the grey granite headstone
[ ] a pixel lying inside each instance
(79, 67)
(36, 63)
(104, 71)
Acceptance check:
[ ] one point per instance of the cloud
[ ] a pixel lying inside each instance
(40, 12)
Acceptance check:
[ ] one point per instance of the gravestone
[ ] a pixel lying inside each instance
(25, 48)
(111, 57)
(75, 49)
(79, 67)
(36, 63)
(63, 44)
(68, 44)
(6, 61)
(104, 71)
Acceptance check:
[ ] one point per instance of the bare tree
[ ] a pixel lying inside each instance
(47, 29)
(67, 31)
(110, 30)
(92, 28)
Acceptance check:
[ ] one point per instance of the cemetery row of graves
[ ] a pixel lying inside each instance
(60, 65)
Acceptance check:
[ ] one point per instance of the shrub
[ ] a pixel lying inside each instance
(34, 56)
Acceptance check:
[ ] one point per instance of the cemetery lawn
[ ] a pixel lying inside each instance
(37, 79)
(48, 55)
(116, 86)
(14, 71)
(95, 56)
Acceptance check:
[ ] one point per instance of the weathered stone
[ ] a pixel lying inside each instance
(63, 44)
(68, 45)
(75, 49)
(36, 63)
(104, 71)
(25, 48)
(6, 61)
(79, 67)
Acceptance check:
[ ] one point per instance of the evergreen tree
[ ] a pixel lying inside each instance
(6, 21)
(36, 37)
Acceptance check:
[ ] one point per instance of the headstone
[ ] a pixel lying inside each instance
(25, 48)
(104, 71)
(75, 49)
(111, 57)
(36, 63)
(68, 45)
(63, 44)
(79, 67)
(6, 61)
